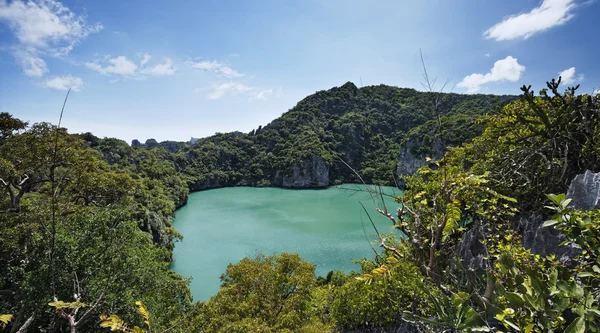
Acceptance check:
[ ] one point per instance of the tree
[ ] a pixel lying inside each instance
(268, 291)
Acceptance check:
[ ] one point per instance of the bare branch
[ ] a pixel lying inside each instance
(27, 323)
(86, 315)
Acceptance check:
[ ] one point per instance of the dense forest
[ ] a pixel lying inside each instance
(86, 235)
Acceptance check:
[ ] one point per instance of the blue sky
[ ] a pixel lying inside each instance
(174, 69)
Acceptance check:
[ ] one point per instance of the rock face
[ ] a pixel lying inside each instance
(401, 327)
(543, 240)
(309, 174)
(585, 191)
(471, 250)
(409, 162)
(205, 185)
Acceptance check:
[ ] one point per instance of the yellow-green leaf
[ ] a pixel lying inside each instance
(392, 260)
(143, 310)
(67, 305)
(5, 318)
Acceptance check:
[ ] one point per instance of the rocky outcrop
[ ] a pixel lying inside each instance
(310, 173)
(470, 249)
(401, 327)
(151, 143)
(585, 191)
(409, 161)
(206, 185)
(542, 240)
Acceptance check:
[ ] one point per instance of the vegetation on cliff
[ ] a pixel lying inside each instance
(365, 127)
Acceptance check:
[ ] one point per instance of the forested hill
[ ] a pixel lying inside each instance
(380, 131)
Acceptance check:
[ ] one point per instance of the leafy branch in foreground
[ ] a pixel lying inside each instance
(117, 324)
(5, 319)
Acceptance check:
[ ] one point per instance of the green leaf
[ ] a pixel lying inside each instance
(593, 312)
(553, 278)
(549, 223)
(512, 325)
(529, 328)
(515, 299)
(577, 326)
(576, 290)
(536, 284)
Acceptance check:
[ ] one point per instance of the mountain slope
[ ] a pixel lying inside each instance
(368, 128)
(380, 131)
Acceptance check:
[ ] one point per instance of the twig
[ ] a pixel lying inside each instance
(52, 174)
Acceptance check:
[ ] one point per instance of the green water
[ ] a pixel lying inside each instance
(324, 227)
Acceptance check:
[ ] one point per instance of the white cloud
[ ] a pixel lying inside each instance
(43, 28)
(217, 67)
(125, 68)
(487, 55)
(31, 64)
(160, 69)
(262, 95)
(549, 14)
(568, 76)
(65, 83)
(597, 92)
(507, 69)
(228, 88)
(145, 58)
(116, 66)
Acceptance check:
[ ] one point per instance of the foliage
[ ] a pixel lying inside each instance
(72, 227)
(89, 219)
(5, 319)
(532, 146)
(452, 312)
(379, 300)
(538, 144)
(582, 229)
(439, 204)
(117, 324)
(533, 292)
(268, 292)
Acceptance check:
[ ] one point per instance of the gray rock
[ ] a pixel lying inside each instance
(401, 327)
(470, 249)
(584, 191)
(409, 163)
(310, 173)
(544, 241)
(205, 185)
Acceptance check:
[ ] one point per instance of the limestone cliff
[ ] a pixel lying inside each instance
(410, 159)
(311, 173)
